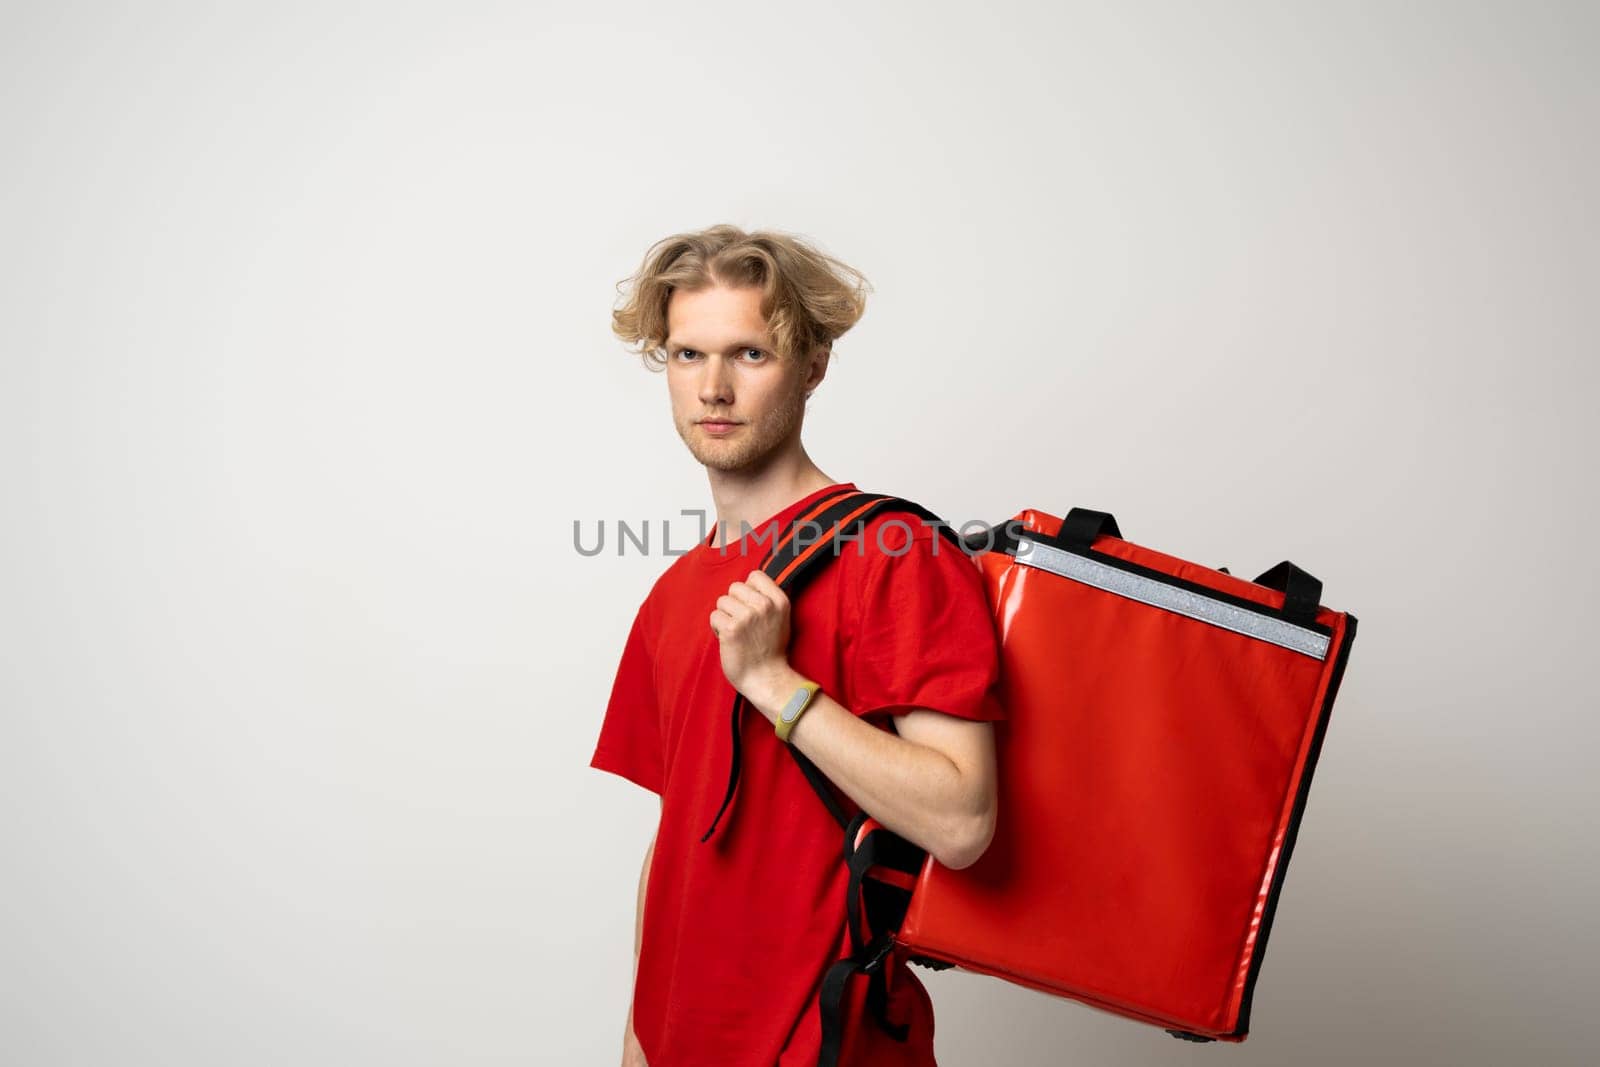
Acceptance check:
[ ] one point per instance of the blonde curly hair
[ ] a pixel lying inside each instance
(808, 298)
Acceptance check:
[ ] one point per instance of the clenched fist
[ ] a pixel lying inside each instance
(751, 622)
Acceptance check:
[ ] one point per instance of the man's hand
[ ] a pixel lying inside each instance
(751, 622)
(632, 1054)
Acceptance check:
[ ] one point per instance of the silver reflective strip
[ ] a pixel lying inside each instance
(1171, 597)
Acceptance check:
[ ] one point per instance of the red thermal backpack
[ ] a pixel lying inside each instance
(1162, 722)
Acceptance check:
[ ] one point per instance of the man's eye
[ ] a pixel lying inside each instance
(758, 353)
(685, 353)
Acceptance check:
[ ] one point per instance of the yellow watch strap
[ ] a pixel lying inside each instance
(789, 714)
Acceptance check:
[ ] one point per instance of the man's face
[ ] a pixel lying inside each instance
(721, 366)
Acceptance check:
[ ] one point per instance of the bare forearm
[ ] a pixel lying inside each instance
(638, 915)
(912, 789)
(638, 919)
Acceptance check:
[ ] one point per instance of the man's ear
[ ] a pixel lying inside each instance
(817, 367)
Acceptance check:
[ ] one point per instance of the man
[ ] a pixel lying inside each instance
(733, 934)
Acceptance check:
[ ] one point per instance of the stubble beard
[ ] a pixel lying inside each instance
(753, 443)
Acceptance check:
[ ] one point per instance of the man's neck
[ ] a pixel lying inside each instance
(743, 500)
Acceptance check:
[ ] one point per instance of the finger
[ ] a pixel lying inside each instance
(747, 595)
(737, 610)
(720, 621)
(762, 583)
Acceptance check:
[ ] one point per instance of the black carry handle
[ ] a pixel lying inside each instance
(1302, 593)
(1082, 526)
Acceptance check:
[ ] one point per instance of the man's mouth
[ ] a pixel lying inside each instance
(718, 426)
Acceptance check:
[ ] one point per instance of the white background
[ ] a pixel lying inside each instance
(307, 374)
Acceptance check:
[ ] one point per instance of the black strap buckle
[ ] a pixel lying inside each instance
(885, 946)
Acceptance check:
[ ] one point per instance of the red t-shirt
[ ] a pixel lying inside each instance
(738, 931)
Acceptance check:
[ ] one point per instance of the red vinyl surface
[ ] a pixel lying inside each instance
(1149, 767)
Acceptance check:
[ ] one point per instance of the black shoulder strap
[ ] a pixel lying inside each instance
(797, 559)
(814, 541)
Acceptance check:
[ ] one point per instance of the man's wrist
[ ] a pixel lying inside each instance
(771, 691)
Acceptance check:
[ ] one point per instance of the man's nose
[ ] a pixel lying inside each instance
(716, 384)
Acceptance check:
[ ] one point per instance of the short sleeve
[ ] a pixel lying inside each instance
(926, 637)
(630, 736)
